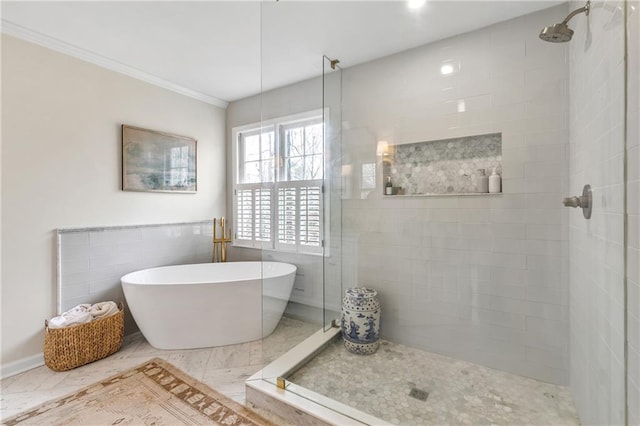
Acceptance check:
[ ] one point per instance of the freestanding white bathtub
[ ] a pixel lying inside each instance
(208, 304)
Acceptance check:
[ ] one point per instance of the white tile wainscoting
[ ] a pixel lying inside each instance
(91, 261)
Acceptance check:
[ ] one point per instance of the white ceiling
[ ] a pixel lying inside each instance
(220, 51)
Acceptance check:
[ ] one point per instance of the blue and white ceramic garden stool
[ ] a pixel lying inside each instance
(361, 320)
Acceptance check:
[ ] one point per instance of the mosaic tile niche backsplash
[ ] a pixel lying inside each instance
(449, 166)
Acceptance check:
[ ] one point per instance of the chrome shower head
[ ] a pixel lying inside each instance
(556, 33)
(560, 33)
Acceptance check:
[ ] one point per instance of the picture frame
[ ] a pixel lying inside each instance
(154, 161)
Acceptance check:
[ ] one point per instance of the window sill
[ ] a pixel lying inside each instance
(270, 250)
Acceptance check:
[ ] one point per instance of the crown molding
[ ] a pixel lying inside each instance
(18, 31)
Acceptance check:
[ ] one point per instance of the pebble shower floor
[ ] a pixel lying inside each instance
(407, 386)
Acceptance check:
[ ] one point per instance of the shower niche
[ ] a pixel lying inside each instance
(443, 167)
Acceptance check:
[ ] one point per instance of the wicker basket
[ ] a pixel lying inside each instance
(71, 347)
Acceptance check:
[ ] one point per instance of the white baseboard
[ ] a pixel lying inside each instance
(24, 364)
(21, 365)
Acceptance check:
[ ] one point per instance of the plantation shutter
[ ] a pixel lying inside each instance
(263, 214)
(253, 215)
(310, 207)
(299, 216)
(244, 215)
(287, 223)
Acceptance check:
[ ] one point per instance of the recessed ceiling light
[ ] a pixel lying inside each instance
(446, 69)
(416, 4)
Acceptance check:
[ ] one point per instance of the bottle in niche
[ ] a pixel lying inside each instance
(495, 182)
(388, 187)
(483, 181)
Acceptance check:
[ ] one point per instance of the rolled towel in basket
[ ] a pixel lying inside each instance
(69, 318)
(103, 309)
(84, 307)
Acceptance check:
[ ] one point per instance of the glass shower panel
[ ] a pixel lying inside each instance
(291, 122)
(332, 190)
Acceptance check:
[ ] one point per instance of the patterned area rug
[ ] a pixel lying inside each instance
(154, 393)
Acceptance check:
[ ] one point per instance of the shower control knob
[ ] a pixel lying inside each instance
(572, 202)
(584, 201)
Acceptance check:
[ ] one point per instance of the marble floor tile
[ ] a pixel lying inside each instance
(229, 381)
(409, 386)
(394, 381)
(195, 361)
(225, 368)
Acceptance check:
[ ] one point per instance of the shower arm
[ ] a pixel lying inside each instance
(584, 9)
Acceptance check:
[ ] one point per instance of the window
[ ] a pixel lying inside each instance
(278, 190)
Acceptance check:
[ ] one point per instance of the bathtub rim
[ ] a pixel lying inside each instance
(126, 279)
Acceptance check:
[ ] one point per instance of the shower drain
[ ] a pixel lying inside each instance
(419, 394)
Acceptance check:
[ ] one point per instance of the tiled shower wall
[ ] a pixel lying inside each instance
(91, 261)
(596, 246)
(479, 278)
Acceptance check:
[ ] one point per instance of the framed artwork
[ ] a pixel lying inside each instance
(158, 162)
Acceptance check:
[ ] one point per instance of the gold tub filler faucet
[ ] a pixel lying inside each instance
(220, 243)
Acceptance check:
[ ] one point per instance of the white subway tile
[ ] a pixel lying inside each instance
(545, 232)
(474, 215)
(75, 291)
(508, 216)
(535, 152)
(74, 238)
(74, 279)
(74, 252)
(512, 170)
(497, 289)
(549, 357)
(511, 111)
(507, 276)
(556, 312)
(544, 294)
(128, 235)
(546, 263)
(101, 238)
(544, 201)
(445, 215)
(545, 336)
(73, 267)
(544, 216)
(504, 319)
(543, 247)
(501, 245)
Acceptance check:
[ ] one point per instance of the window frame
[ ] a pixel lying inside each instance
(278, 126)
